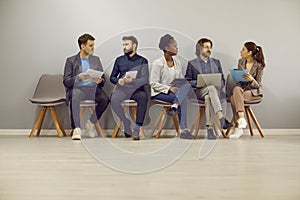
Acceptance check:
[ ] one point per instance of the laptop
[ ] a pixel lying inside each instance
(204, 80)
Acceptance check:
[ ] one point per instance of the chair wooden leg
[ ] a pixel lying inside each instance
(116, 129)
(202, 111)
(176, 124)
(82, 109)
(217, 122)
(98, 127)
(255, 122)
(162, 122)
(228, 130)
(195, 123)
(37, 121)
(60, 125)
(133, 110)
(118, 125)
(156, 124)
(54, 117)
(42, 121)
(142, 133)
(249, 120)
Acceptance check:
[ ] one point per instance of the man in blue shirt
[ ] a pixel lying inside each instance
(130, 74)
(204, 64)
(80, 86)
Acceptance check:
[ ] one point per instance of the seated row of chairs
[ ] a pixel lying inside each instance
(50, 92)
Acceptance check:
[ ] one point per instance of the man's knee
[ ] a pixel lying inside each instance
(77, 93)
(212, 89)
(206, 98)
(116, 100)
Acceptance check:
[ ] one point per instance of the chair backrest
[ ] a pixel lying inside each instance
(50, 89)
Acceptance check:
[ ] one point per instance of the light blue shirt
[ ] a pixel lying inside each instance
(85, 66)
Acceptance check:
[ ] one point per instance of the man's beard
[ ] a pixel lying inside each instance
(206, 54)
(128, 52)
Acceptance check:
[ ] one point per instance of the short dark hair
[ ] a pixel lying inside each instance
(84, 38)
(165, 41)
(131, 38)
(200, 43)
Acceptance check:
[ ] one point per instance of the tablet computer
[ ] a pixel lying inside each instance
(237, 74)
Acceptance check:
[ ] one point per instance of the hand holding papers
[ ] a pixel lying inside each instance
(237, 75)
(92, 76)
(94, 73)
(131, 74)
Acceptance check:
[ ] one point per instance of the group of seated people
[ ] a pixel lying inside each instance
(130, 74)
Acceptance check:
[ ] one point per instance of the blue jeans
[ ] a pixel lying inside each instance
(179, 97)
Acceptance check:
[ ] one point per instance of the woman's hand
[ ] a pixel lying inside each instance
(173, 89)
(248, 77)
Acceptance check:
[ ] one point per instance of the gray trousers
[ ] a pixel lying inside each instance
(212, 102)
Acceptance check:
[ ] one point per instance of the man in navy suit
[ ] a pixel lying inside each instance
(204, 64)
(80, 86)
(129, 86)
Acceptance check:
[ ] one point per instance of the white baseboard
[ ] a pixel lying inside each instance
(27, 132)
(167, 132)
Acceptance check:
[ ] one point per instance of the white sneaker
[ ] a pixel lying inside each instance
(89, 126)
(238, 132)
(90, 134)
(231, 132)
(218, 132)
(76, 134)
(242, 123)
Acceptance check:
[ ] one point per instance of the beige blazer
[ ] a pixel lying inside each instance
(257, 72)
(160, 78)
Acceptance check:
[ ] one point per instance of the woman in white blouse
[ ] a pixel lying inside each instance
(164, 70)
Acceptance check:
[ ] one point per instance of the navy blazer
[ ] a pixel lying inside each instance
(193, 69)
(73, 68)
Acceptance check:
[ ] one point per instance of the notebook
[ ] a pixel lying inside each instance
(204, 80)
(237, 74)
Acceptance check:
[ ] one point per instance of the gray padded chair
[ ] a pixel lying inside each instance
(230, 84)
(49, 93)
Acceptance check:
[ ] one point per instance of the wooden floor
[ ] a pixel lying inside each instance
(54, 168)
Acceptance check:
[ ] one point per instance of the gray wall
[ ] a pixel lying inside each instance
(37, 36)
